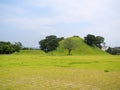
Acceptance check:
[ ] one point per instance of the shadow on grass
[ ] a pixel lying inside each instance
(79, 63)
(74, 63)
(62, 65)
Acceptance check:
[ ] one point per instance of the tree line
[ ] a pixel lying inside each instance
(114, 51)
(51, 43)
(93, 40)
(8, 48)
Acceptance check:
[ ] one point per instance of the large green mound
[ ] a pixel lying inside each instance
(81, 49)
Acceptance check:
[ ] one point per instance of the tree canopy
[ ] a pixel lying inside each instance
(94, 40)
(99, 40)
(90, 39)
(8, 48)
(69, 44)
(50, 43)
(114, 51)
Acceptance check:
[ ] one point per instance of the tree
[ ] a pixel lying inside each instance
(60, 39)
(8, 48)
(113, 51)
(94, 40)
(17, 46)
(99, 41)
(69, 44)
(90, 39)
(50, 43)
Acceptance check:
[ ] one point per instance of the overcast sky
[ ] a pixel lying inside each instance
(29, 21)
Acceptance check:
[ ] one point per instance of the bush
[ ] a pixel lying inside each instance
(8, 48)
(106, 70)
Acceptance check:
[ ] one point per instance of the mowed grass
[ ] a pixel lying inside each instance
(41, 72)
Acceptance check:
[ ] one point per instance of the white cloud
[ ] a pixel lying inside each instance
(71, 11)
(28, 23)
(68, 11)
(79, 10)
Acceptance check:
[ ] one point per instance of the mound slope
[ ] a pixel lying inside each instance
(81, 49)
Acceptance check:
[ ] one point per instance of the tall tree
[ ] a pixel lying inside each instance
(17, 46)
(69, 44)
(90, 39)
(8, 48)
(94, 40)
(50, 43)
(99, 41)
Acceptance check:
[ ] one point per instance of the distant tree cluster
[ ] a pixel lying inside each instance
(114, 51)
(94, 40)
(29, 48)
(50, 43)
(8, 48)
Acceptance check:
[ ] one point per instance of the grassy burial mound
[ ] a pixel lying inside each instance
(81, 48)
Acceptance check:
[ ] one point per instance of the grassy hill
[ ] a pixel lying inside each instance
(81, 49)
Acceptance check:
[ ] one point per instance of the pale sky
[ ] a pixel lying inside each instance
(29, 21)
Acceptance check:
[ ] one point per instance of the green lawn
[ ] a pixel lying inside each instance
(41, 72)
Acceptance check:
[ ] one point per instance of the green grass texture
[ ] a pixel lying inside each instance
(30, 52)
(43, 72)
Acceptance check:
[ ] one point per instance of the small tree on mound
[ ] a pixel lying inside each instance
(69, 44)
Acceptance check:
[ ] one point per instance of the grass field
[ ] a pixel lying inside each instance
(41, 72)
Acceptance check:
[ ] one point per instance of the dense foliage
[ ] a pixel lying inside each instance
(94, 40)
(50, 43)
(8, 48)
(114, 51)
(90, 39)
